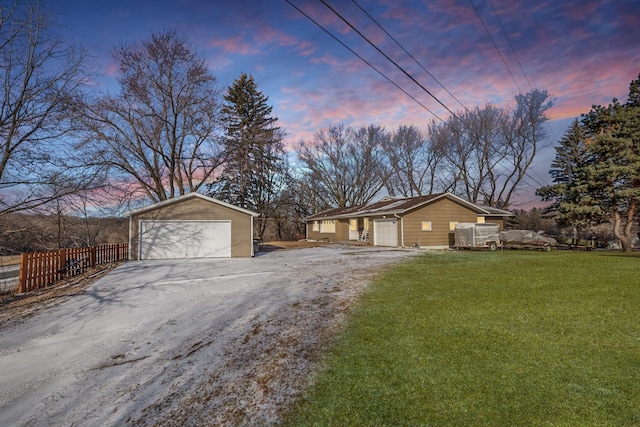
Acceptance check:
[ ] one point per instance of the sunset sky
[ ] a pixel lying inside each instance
(581, 52)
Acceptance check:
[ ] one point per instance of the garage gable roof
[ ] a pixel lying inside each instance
(399, 206)
(185, 197)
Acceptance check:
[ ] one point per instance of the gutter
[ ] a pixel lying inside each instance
(359, 214)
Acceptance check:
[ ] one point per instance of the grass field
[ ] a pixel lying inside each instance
(513, 338)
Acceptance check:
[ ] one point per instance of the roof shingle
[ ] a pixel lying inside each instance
(391, 205)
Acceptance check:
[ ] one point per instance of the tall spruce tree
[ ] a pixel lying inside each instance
(575, 208)
(256, 163)
(604, 180)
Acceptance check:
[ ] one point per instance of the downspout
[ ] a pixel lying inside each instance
(401, 229)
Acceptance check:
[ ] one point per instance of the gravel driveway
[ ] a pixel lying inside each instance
(184, 342)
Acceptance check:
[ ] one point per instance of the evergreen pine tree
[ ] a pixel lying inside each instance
(571, 202)
(603, 183)
(256, 162)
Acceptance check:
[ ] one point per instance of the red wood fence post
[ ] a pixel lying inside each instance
(92, 256)
(62, 259)
(22, 281)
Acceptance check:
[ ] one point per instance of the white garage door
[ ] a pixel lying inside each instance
(385, 232)
(185, 239)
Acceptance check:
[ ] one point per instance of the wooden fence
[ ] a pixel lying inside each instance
(39, 269)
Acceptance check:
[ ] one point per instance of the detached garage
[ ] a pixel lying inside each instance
(190, 226)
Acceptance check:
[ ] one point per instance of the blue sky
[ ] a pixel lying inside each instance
(581, 52)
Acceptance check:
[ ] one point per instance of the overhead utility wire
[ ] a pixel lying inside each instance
(379, 72)
(365, 61)
(389, 59)
(527, 174)
(494, 45)
(495, 12)
(410, 55)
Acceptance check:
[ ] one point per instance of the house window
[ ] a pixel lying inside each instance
(452, 225)
(328, 226)
(426, 226)
(480, 220)
(314, 227)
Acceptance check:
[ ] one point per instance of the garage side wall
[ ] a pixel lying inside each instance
(440, 214)
(496, 220)
(199, 210)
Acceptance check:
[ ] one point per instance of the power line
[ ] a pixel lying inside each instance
(409, 54)
(388, 58)
(404, 71)
(495, 45)
(365, 61)
(510, 45)
(533, 179)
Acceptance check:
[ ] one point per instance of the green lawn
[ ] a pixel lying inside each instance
(513, 338)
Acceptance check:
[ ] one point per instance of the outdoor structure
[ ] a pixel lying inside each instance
(425, 221)
(190, 226)
(475, 235)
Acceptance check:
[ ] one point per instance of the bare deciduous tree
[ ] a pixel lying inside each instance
(488, 151)
(160, 135)
(346, 165)
(39, 73)
(414, 163)
(474, 146)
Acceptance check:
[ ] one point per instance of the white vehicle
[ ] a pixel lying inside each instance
(474, 235)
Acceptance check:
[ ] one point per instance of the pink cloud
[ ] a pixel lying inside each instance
(235, 45)
(342, 65)
(306, 48)
(270, 35)
(218, 62)
(578, 11)
(394, 10)
(112, 70)
(373, 101)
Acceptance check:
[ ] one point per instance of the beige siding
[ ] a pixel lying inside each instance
(341, 233)
(317, 235)
(313, 235)
(496, 220)
(342, 229)
(198, 209)
(440, 213)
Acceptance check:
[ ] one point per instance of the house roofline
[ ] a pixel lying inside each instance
(363, 212)
(356, 214)
(187, 196)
